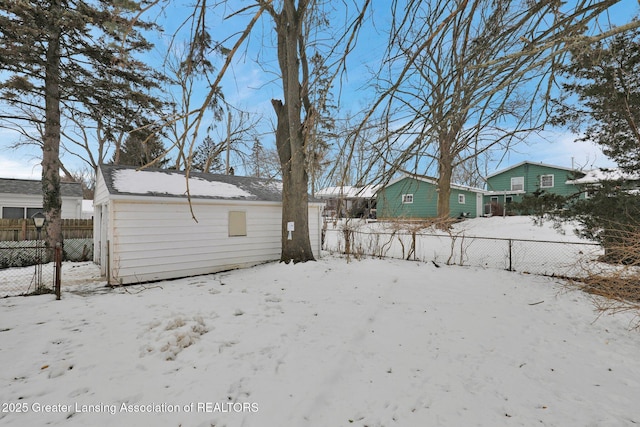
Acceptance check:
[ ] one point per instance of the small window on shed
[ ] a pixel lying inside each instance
(461, 199)
(407, 198)
(237, 223)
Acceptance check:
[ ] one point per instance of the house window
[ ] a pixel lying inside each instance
(461, 199)
(546, 181)
(517, 183)
(32, 211)
(12, 213)
(591, 192)
(237, 223)
(19, 213)
(508, 199)
(407, 198)
(494, 199)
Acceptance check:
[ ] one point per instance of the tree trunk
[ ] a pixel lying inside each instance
(294, 193)
(290, 140)
(444, 191)
(52, 200)
(445, 171)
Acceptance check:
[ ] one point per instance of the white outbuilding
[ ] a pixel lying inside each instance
(146, 228)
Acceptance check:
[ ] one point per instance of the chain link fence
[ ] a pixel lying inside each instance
(27, 267)
(552, 258)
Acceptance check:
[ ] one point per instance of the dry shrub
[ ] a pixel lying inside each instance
(615, 293)
(616, 286)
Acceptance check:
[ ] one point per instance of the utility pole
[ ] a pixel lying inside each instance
(228, 140)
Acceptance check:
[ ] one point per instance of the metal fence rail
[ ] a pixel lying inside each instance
(22, 274)
(530, 256)
(27, 267)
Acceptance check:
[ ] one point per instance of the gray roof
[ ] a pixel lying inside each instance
(34, 187)
(259, 189)
(501, 171)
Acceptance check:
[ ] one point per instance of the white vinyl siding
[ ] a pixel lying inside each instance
(159, 240)
(153, 241)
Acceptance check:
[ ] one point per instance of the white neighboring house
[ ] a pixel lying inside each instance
(87, 209)
(21, 198)
(144, 229)
(341, 201)
(595, 177)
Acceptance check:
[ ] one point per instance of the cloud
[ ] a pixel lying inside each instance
(560, 148)
(15, 168)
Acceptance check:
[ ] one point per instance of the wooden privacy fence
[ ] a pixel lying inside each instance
(23, 229)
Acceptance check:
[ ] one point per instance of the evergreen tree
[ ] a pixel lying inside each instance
(257, 160)
(611, 216)
(206, 157)
(606, 79)
(141, 148)
(323, 130)
(72, 53)
(540, 203)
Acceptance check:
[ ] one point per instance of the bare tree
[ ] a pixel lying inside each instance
(187, 69)
(462, 78)
(296, 23)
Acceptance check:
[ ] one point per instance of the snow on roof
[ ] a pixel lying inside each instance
(594, 176)
(128, 180)
(154, 182)
(347, 191)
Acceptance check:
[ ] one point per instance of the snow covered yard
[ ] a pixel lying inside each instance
(329, 343)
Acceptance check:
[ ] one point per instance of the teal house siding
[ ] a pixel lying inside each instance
(423, 203)
(414, 198)
(466, 205)
(527, 177)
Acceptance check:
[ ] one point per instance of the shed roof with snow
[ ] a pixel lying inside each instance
(126, 180)
(146, 227)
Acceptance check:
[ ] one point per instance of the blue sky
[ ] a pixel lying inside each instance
(250, 86)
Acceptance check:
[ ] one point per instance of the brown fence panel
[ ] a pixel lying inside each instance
(23, 229)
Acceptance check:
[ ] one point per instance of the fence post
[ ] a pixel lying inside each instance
(510, 255)
(58, 263)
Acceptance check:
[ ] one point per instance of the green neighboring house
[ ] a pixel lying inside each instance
(510, 184)
(414, 197)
